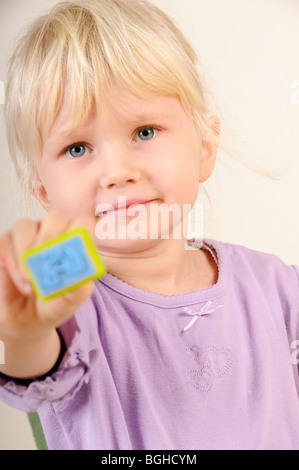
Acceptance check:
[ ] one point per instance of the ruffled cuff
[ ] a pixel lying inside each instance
(74, 370)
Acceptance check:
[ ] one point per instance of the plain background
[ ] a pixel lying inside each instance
(249, 51)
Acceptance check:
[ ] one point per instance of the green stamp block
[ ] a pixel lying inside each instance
(63, 264)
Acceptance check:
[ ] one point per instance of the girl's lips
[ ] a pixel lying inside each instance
(125, 212)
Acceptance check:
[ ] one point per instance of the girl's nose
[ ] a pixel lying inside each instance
(118, 168)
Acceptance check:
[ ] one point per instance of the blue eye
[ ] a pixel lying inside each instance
(77, 150)
(146, 133)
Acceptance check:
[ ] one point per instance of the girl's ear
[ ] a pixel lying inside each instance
(40, 193)
(210, 144)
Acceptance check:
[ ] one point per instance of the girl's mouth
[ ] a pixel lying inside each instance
(123, 208)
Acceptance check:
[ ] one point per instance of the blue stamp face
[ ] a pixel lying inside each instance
(62, 265)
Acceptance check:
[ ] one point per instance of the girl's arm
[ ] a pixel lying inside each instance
(30, 359)
(28, 325)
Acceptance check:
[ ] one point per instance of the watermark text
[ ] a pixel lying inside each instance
(148, 220)
(295, 354)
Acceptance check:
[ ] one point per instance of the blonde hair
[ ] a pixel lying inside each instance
(89, 46)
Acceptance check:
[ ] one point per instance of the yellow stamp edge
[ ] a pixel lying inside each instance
(91, 249)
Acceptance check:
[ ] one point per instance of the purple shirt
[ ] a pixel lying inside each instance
(134, 377)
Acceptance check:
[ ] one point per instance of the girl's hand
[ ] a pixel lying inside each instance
(24, 319)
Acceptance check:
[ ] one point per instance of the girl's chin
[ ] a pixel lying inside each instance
(127, 245)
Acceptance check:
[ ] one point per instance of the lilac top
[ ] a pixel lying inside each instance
(139, 375)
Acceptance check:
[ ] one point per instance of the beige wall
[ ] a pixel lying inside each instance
(250, 52)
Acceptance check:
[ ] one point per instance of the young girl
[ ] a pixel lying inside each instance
(174, 348)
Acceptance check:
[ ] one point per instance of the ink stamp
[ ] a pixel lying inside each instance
(63, 264)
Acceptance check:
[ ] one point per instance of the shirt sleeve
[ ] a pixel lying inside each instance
(74, 370)
(297, 270)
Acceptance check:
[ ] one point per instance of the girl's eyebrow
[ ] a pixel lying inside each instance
(61, 135)
(148, 117)
(57, 139)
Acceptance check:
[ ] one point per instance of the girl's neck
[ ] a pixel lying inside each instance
(167, 269)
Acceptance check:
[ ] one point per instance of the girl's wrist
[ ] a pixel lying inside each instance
(27, 360)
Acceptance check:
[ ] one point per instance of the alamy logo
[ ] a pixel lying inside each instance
(148, 219)
(295, 354)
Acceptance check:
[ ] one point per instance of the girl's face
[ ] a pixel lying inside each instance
(143, 150)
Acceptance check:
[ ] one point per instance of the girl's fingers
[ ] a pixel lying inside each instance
(27, 234)
(56, 223)
(23, 235)
(10, 261)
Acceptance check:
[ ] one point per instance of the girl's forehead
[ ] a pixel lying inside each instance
(119, 104)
